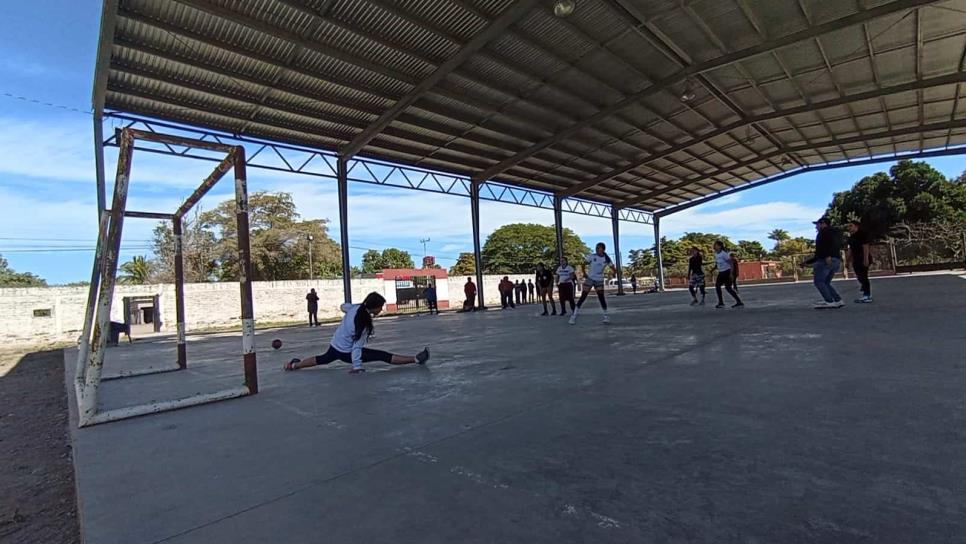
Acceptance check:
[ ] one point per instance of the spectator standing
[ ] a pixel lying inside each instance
(430, 294)
(470, 291)
(312, 302)
(506, 293)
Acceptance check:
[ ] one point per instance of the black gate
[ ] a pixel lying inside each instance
(411, 293)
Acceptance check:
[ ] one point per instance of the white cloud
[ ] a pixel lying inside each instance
(61, 148)
(727, 200)
(71, 222)
(746, 222)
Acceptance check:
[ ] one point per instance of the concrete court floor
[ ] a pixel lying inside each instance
(773, 424)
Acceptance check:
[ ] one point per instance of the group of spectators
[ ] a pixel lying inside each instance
(521, 291)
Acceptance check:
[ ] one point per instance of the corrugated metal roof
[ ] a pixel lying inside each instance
(590, 105)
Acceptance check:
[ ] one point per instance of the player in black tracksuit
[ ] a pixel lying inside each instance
(544, 281)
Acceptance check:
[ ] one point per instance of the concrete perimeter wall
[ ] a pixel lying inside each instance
(207, 305)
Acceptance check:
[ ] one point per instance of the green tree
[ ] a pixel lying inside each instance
(12, 278)
(279, 240)
(779, 236)
(517, 248)
(137, 271)
(751, 250)
(911, 192)
(703, 241)
(794, 247)
(465, 265)
(199, 250)
(642, 262)
(674, 255)
(373, 261)
(397, 258)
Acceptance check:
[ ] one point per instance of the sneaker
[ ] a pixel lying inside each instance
(824, 305)
(554, 312)
(694, 302)
(606, 319)
(422, 356)
(544, 313)
(291, 364)
(357, 371)
(863, 300)
(702, 302)
(573, 319)
(719, 306)
(838, 304)
(739, 305)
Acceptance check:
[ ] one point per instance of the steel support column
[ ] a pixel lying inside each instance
(112, 248)
(558, 228)
(84, 344)
(477, 254)
(657, 254)
(245, 269)
(176, 229)
(342, 176)
(99, 164)
(615, 221)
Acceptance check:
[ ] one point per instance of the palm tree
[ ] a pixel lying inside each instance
(137, 271)
(779, 236)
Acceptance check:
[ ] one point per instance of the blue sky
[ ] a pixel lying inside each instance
(47, 200)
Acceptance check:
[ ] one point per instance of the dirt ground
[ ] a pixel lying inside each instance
(37, 495)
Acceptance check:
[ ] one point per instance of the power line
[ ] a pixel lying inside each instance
(44, 103)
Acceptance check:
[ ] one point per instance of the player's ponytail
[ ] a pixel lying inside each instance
(363, 320)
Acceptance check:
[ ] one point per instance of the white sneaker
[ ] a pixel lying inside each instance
(838, 304)
(573, 319)
(606, 319)
(823, 305)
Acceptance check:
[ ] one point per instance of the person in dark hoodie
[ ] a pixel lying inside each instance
(826, 263)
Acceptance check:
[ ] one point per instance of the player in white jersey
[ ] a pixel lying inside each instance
(565, 285)
(593, 269)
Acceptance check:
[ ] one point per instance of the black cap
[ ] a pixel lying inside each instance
(823, 219)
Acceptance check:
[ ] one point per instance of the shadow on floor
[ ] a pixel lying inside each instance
(37, 494)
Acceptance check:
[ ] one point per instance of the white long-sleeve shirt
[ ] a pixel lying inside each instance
(343, 339)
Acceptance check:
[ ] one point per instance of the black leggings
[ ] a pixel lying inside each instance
(367, 355)
(724, 278)
(862, 274)
(600, 297)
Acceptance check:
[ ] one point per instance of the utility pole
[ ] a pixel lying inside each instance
(310, 238)
(424, 242)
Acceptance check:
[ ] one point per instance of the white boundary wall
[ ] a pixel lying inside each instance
(206, 304)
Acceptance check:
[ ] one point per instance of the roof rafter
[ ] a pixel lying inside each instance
(725, 60)
(493, 30)
(892, 133)
(957, 78)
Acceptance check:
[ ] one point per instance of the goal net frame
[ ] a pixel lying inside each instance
(97, 323)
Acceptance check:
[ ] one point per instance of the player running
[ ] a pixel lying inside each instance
(696, 276)
(727, 266)
(349, 341)
(565, 276)
(544, 279)
(594, 278)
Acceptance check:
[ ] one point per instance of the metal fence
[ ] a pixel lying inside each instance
(411, 294)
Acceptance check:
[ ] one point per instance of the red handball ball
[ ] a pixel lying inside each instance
(276, 343)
